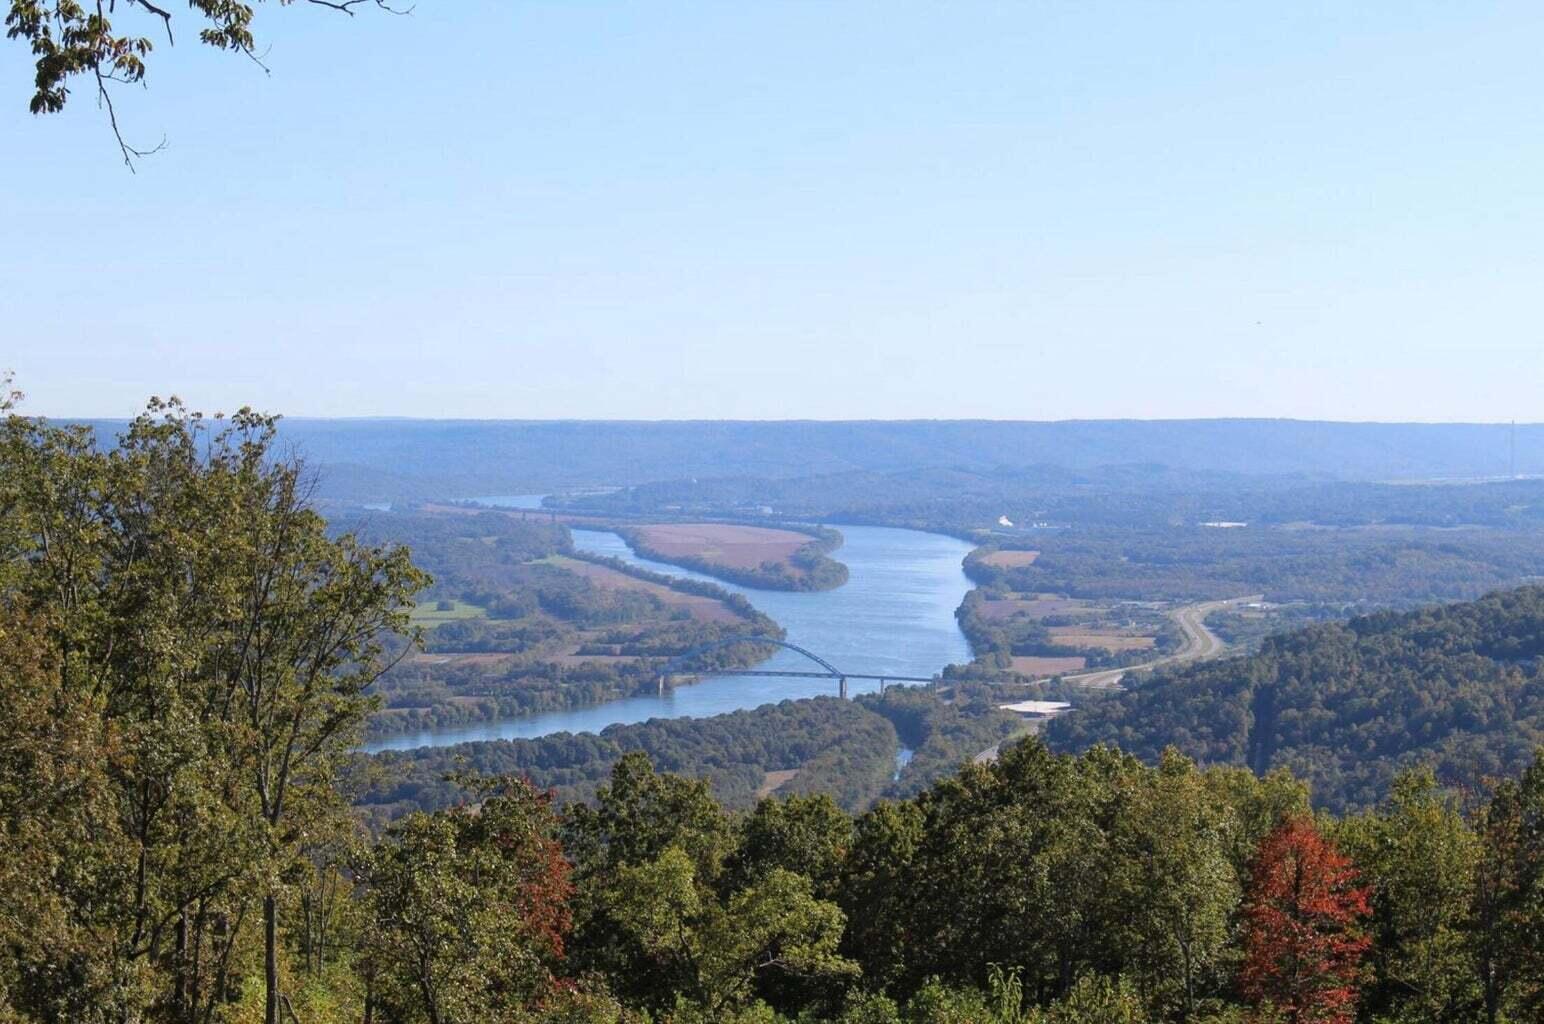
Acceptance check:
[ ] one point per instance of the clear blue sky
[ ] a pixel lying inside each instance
(496, 208)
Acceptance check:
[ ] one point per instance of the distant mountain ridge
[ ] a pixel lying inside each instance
(370, 459)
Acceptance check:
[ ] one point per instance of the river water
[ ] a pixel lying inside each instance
(894, 615)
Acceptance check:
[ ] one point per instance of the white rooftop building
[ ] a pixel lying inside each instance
(1037, 708)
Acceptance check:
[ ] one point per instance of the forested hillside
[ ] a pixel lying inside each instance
(957, 498)
(1353, 569)
(1345, 706)
(841, 748)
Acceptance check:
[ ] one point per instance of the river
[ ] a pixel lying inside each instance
(895, 615)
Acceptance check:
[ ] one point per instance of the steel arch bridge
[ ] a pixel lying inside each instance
(674, 667)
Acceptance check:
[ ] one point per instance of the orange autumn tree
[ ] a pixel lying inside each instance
(1303, 943)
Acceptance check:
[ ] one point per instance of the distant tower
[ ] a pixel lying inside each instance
(1512, 450)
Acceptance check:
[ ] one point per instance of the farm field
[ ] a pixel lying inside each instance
(1048, 666)
(754, 556)
(1104, 639)
(702, 609)
(1036, 606)
(726, 544)
(431, 613)
(483, 658)
(574, 657)
(1036, 634)
(1011, 559)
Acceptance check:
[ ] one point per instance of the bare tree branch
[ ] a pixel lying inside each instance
(105, 100)
(165, 16)
(347, 6)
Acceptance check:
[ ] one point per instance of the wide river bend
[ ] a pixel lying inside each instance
(895, 615)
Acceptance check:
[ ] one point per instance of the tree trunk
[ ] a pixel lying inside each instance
(305, 930)
(180, 990)
(271, 959)
(1190, 982)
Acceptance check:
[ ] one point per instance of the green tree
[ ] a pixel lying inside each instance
(468, 909)
(305, 616)
(112, 558)
(720, 949)
(1256, 804)
(220, 645)
(633, 821)
(1174, 879)
(55, 962)
(1033, 893)
(1420, 858)
(875, 889)
(1509, 897)
(807, 835)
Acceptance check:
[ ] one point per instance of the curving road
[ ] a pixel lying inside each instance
(1200, 642)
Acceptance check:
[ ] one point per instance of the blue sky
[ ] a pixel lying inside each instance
(830, 210)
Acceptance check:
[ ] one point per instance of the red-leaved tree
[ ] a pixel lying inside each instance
(1303, 942)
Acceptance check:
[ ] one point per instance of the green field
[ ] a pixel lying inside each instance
(429, 613)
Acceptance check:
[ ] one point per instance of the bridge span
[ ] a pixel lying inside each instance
(674, 667)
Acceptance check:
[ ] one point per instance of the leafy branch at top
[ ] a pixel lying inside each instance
(71, 38)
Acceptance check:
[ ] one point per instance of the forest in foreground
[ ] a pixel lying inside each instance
(187, 655)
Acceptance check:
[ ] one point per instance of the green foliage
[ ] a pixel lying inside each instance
(467, 909)
(838, 747)
(720, 949)
(845, 749)
(804, 835)
(1340, 569)
(941, 734)
(204, 648)
(1509, 896)
(867, 1008)
(1179, 886)
(1421, 859)
(659, 912)
(935, 1003)
(1095, 999)
(1346, 707)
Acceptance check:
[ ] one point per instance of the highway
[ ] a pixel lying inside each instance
(1200, 643)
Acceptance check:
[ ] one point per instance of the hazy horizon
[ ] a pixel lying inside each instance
(394, 418)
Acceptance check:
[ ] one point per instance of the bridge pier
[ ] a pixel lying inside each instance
(842, 686)
(662, 685)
